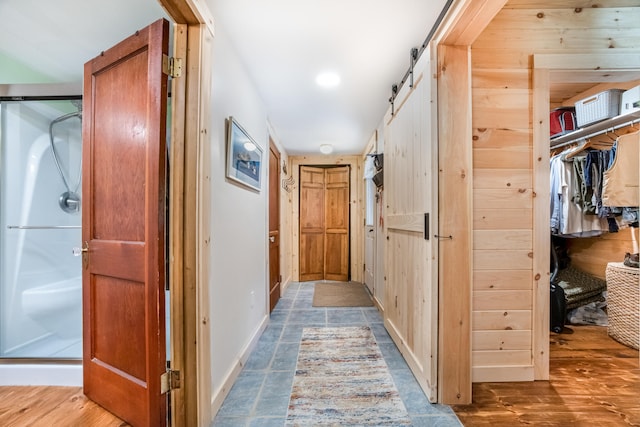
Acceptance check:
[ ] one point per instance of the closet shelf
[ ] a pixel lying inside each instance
(596, 129)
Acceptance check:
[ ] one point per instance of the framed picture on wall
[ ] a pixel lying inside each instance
(244, 156)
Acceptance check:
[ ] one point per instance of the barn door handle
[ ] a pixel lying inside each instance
(426, 226)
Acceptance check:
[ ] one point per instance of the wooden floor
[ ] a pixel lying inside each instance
(52, 406)
(595, 381)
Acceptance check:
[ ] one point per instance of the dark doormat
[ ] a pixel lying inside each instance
(341, 294)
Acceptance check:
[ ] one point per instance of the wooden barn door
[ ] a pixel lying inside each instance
(123, 211)
(324, 223)
(411, 288)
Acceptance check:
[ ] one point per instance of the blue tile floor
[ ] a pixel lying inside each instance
(260, 395)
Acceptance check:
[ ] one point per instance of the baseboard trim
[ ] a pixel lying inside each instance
(221, 393)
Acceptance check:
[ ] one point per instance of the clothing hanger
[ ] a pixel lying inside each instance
(579, 149)
(592, 144)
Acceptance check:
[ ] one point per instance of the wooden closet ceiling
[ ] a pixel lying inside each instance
(567, 85)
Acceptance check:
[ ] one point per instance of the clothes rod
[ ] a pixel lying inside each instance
(599, 132)
(42, 227)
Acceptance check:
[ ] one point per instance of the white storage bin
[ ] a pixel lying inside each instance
(600, 106)
(630, 100)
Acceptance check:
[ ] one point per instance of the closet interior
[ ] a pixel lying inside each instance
(594, 178)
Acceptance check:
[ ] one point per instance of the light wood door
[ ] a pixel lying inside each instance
(336, 213)
(370, 235)
(324, 223)
(411, 287)
(124, 126)
(311, 223)
(274, 225)
(369, 256)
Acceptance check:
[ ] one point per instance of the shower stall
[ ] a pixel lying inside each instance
(40, 231)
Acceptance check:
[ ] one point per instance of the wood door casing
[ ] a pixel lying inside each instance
(123, 226)
(274, 225)
(324, 223)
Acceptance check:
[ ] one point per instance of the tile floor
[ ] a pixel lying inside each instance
(260, 395)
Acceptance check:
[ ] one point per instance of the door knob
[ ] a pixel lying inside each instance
(272, 239)
(79, 251)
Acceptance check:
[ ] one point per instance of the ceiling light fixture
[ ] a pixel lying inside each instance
(326, 149)
(328, 79)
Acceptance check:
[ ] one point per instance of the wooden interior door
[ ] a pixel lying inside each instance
(274, 225)
(370, 236)
(324, 223)
(311, 223)
(411, 290)
(336, 213)
(124, 126)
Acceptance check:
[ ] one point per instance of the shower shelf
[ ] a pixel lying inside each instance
(42, 227)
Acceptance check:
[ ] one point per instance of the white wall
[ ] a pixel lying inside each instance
(238, 279)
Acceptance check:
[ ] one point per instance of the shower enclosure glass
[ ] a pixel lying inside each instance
(40, 225)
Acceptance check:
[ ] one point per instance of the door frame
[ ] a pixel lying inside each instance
(356, 190)
(583, 67)
(189, 207)
(451, 50)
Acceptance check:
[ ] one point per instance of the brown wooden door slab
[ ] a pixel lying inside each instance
(336, 213)
(324, 223)
(124, 126)
(311, 223)
(274, 225)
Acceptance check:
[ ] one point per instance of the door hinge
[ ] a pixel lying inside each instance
(172, 66)
(170, 380)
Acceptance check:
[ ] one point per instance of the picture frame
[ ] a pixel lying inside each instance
(244, 157)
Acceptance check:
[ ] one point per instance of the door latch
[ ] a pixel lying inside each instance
(84, 251)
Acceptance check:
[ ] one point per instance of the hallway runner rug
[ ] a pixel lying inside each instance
(342, 379)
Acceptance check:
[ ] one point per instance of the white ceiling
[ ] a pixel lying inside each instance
(284, 44)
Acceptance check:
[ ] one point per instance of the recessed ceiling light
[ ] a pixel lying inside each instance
(326, 148)
(328, 79)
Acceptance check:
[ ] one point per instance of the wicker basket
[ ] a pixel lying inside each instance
(623, 303)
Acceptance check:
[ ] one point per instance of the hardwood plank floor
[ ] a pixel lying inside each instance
(52, 406)
(595, 381)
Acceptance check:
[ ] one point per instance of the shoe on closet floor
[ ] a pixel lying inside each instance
(631, 260)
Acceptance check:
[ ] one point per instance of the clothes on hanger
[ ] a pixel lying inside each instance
(620, 184)
(588, 194)
(571, 200)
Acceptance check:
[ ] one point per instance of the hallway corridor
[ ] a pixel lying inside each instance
(260, 396)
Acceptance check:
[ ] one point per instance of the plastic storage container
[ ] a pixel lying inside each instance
(630, 101)
(600, 106)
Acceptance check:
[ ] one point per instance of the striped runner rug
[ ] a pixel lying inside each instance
(342, 379)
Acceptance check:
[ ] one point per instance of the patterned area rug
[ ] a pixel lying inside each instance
(342, 380)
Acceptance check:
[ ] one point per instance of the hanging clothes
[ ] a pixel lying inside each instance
(572, 202)
(620, 184)
(595, 190)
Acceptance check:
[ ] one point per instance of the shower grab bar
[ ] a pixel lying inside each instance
(42, 227)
